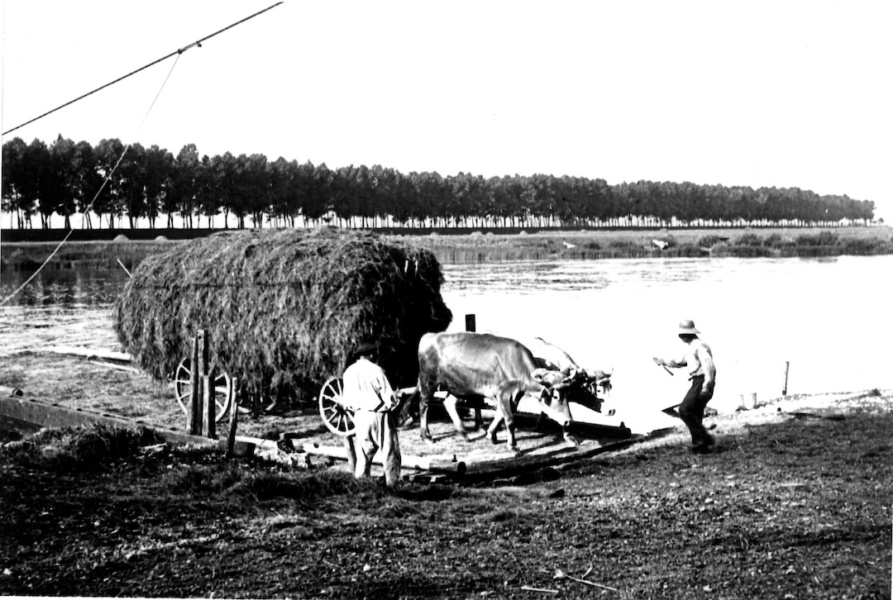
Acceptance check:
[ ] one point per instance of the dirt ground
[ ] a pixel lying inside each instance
(81, 383)
(796, 503)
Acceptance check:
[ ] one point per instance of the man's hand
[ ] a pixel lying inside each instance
(662, 363)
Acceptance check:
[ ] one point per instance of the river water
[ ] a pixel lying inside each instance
(827, 321)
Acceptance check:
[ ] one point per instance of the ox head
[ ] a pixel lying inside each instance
(553, 380)
(599, 381)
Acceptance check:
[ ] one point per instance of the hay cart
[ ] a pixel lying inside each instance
(335, 416)
(283, 308)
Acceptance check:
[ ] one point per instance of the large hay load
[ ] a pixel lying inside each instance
(283, 309)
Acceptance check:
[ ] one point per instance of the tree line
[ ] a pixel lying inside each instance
(67, 178)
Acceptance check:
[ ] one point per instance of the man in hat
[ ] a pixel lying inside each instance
(698, 359)
(369, 394)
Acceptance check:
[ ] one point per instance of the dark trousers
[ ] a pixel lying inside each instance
(691, 411)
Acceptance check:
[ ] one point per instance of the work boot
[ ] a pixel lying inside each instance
(705, 446)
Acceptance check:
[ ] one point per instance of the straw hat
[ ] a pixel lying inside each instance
(687, 327)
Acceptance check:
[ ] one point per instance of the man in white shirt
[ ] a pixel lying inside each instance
(369, 394)
(698, 359)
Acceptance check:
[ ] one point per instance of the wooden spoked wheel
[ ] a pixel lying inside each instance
(219, 387)
(337, 418)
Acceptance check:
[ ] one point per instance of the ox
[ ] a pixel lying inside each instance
(480, 365)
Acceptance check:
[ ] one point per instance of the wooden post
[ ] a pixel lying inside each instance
(206, 376)
(233, 415)
(784, 390)
(194, 424)
(209, 406)
(470, 324)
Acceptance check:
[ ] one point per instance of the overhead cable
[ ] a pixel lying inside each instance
(153, 63)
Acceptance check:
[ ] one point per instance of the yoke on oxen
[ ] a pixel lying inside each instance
(586, 388)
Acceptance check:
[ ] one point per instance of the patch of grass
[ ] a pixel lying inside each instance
(303, 488)
(749, 239)
(12, 376)
(711, 240)
(80, 448)
(624, 243)
(823, 238)
(203, 479)
(778, 241)
(864, 246)
(686, 250)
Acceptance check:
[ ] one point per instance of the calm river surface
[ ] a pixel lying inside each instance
(829, 319)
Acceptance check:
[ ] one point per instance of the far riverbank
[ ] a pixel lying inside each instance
(129, 247)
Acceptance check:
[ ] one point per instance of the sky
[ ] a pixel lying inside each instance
(775, 93)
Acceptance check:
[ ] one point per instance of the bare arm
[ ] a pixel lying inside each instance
(676, 363)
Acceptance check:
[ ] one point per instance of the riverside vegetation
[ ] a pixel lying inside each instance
(479, 246)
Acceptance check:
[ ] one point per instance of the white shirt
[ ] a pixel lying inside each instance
(699, 360)
(367, 388)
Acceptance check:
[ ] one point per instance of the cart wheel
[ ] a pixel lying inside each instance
(183, 389)
(337, 418)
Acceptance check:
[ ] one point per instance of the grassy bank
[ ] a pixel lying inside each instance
(478, 247)
(795, 505)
